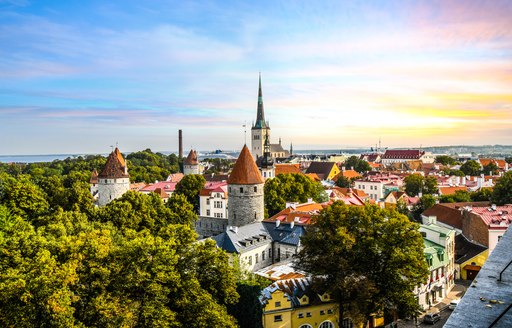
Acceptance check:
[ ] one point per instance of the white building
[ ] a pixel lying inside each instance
(213, 200)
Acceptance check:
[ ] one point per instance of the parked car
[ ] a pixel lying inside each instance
(431, 318)
(453, 304)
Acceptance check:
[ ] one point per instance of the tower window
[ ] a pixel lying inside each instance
(241, 189)
(255, 189)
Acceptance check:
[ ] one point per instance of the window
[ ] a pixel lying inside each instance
(256, 258)
(270, 253)
(330, 311)
(308, 314)
(322, 312)
(250, 260)
(241, 189)
(278, 318)
(207, 201)
(278, 304)
(207, 212)
(217, 204)
(218, 215)
(263, 256)
(300, 315)
(347, 323)
(255, 189)
(327, 324)
(306, 326)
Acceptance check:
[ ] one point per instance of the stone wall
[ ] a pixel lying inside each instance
(208, 226)
(246, 204)
(110, 189)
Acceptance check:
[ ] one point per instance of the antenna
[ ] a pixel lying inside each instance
(245, 132)
(111, 146)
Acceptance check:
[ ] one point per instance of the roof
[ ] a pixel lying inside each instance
(450, 213)
(451, 190)
(347, 174)
(160, 192)
(220, 186)
(166, 186)
(478, 307)
(191, 158)
(260, 115)
(465, 249)
(286, 233)
(322, 169)
(245, 171)
(346, 195)
(175, 177)
(115, 167)
(287, 168)
(403, 154)
(293, 288)
(94, 177)
(304, 212)
(137, 186)
(244, 238)
(281, 271)
(494, 217)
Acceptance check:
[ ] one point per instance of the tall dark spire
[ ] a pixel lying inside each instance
(260, 117)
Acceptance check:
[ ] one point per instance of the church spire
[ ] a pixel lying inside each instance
(260, 116)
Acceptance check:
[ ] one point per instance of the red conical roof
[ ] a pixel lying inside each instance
(191, 158)
(245, 171)
(115, 166)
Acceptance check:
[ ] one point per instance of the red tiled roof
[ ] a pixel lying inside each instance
(403, 154)
(191, 158)
(501, 216)
(245, 171)
(450, 213)
(305, 212)
(214, 187)
(347, 174)
(164, 185)
(94, 177)
(175, 177)
(287, 168)
(114, 167)
(451, 190)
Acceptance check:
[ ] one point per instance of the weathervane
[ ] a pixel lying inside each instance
(245, 132)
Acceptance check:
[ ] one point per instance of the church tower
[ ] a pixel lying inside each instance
(266, 163)
(113, 180)
(260, 130)
(245, 191)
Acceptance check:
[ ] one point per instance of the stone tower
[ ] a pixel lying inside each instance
(113, 180)
(245, 191)
(191, 164)
(260, 130)
(266, 163)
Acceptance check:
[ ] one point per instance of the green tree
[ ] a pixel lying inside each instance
(414, 184)
(445, 160)
(23, 197)
(359, 165)
(481, 195)
(190, 186)
(458, 196)
(292, 187)
(425, 202)
(490, 169)
(344, 182)
(182, 211)
(430, 186)
(508, 159)
(471, 168)
(502, 192)
(369, 259)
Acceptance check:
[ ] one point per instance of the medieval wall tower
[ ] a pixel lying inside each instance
(245, 191)
(260, 130)
(113, 181)
(191, 164)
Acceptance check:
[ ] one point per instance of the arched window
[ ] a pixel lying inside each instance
(306, 326)
(326, 324)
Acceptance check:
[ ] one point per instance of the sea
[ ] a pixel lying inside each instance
(203, 154)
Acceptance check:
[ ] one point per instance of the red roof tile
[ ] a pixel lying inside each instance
(191, 158)
(245, 171)
(115, 166)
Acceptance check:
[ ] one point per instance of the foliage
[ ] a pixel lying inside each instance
(502, 192)
(401, 207)
(458, 196)
(344, 182)
(291, 187)
(445, 160)
(471, 168)
(490, 169)
(481, 195)
(356, 164)
(369, 259)
(217, 165)
(146, 166)
(190, 186)
(416, 184)
(425, 202)
(457, 173)
(430, 186)
(508, 159)
(248, 310)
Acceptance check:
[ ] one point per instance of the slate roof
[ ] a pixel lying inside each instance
(285, 233)
(245, 238)
(245, 171)
(465, 249)
(115, 167)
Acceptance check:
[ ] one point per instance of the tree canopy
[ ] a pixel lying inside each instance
(291, 187)
(471, 168)
(445, 160)
(369, 259)
(356, 164)
(416, 183)
(190, 187)
(502, 192)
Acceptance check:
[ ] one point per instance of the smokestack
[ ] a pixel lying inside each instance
(180, 142)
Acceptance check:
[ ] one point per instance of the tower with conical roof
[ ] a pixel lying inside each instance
(191, 164)
(245, 191)
(113, 180)
(260, 129)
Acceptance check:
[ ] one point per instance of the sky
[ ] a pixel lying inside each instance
(80, 76)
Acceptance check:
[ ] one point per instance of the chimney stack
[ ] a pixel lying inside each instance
(180, 144)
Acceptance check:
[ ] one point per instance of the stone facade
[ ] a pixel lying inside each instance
(191, 169)
(110, 189)
(209, 226)
(246, 204)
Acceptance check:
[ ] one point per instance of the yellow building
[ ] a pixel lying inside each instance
(292, 304)
(470, 257)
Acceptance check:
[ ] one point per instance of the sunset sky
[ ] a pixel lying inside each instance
(78, 76)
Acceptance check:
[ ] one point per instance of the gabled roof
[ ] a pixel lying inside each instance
(322, 169)
(451, 190)
(304, 212)
(94, 177)
(403, 154)
(450, 213)
(191, 158)
(245, 171)
(347, 174)
(465, 249)
(115, 167)
(287, 168)
(244, 238)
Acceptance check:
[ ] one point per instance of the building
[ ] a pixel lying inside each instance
(164, 188)
(113, 180)
(266, 163)
(293, 303)
(439, 253)
(94, 184)
(261, 130)
(469, 258)
(191, 164)
(213, 200)
(245, 191)
(405, 155)
(488, 301)
(324, 170)
(377, 186)
(449, 215)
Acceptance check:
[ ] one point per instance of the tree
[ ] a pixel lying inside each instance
(23, 197)
(344, 182)
(458, 196)
(182, 211)
(508, 159)
(425, 202)
(190, 186)
(369, 259)
(502, 192)
(490, 169)
(481, 195)
(430, 186)
(356, 164)
(414, 184)
(471, 168)
(292, 187)
(445, 160)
